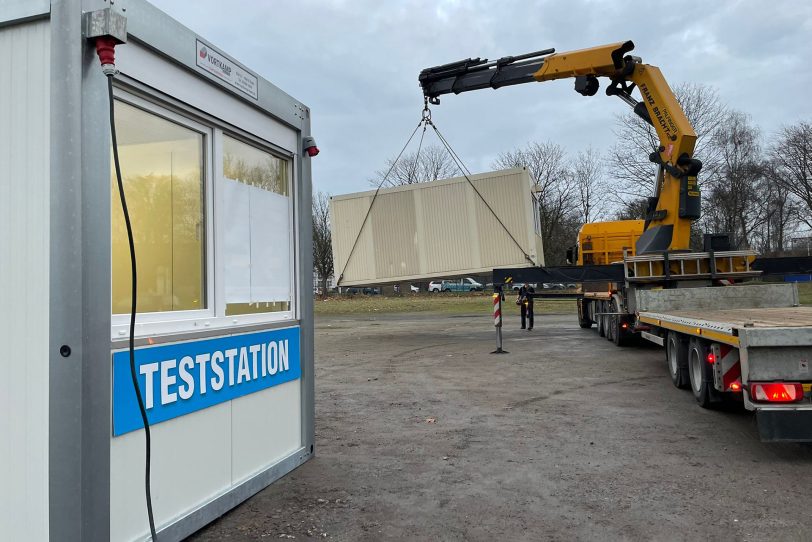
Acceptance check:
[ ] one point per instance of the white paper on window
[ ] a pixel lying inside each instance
(270, 246)
(237, 241)
(257, 244)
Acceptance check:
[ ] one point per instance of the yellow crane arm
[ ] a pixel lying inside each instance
(676, 202)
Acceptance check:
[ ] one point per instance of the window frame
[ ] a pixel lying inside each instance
(213, 316)
(120, 322)
(220, 299)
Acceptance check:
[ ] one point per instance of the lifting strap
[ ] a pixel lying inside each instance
(425, 122)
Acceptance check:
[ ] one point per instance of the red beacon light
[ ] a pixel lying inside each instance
(309, 145)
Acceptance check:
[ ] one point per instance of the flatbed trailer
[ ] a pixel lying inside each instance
(726, 337)
(751, 343)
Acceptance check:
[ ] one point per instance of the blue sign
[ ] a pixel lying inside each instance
(180, 378)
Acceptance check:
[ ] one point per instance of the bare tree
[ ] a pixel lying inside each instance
(735, 198)
(590, 188)
(556, 189)
(780, 212)
(322, 239)
(791, 156)
(636, 140)
(633, 209)
(431, 163)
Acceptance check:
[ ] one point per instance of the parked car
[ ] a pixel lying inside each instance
(464, 285)
(365, 290)
(461, 285)
(414, 289)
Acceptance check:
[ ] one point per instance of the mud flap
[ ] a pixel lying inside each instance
(785, 425)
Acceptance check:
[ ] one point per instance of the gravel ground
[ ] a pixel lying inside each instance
(421, 434)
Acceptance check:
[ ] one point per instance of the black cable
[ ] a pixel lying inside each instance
(137, 388)
(371, 203)
(463, 170)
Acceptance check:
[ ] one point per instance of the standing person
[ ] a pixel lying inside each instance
(520, 301)
(528, 305)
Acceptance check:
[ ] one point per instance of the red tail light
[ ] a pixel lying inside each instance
(711, 357)
(777, 392)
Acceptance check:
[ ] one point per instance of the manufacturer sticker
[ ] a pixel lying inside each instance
(226, 70)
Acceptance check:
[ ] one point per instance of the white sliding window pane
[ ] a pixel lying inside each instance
(270, 247)
(258, 237)
(236, 252)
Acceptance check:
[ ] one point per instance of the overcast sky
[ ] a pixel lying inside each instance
(355, 64)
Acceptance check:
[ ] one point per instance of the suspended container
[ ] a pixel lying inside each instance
(217, 175)
(439, 229)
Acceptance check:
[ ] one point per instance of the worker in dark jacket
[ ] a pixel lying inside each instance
(525, 302)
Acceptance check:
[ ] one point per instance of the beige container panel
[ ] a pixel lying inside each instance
(394, 230)
(347, 218)
(436, 229)
(446, 224)
(509, 197)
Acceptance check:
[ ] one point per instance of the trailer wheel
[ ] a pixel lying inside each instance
(676, 355)
(583, 314)
(700, 373)
(620, 336)
(609, 322)
(601, 319)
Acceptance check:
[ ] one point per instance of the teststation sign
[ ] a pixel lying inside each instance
(181, 378)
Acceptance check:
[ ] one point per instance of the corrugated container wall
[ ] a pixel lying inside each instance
(24, 279)
(436, 229)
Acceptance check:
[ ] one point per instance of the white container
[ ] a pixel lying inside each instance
(72, 458)
(436, 229)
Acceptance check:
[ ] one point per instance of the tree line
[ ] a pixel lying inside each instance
(756, 187)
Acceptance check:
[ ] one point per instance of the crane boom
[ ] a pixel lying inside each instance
(676, 202)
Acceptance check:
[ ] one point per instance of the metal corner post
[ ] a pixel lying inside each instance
(65, 373)
(79, 392)
(96, 298)
(305, 220)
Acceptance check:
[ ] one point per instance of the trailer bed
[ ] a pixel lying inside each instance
(738, 318)
(724, 325)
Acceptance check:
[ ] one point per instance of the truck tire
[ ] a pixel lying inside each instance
(608, 322)
(601, 319)
(676, 357)
(583, 314)
(620, 336)
(700, 373)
